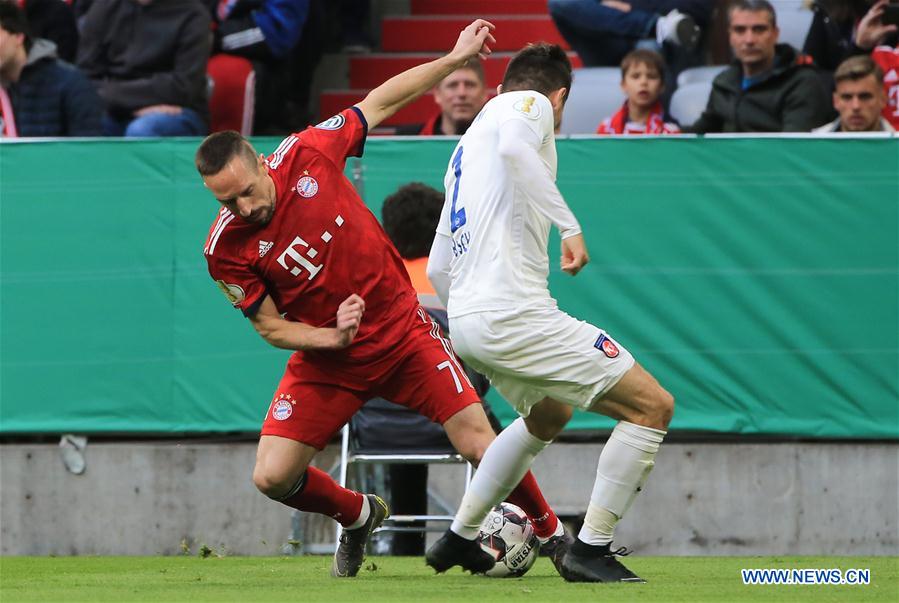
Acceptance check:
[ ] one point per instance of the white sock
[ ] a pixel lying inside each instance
(363, 515)
(625, 463)
(505, 462)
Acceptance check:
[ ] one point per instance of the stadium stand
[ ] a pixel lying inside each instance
(696, 75)
(689, 101)
(595, 94)
(410, 40)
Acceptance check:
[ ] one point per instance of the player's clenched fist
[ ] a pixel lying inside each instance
(574, 254)
(349, 317)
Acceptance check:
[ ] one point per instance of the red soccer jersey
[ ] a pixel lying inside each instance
(321, 245)
(888, 59)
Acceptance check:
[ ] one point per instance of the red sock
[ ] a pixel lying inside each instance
(321, 494)
(528, 496)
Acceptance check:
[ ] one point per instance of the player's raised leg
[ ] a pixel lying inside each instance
(283, 474)
(644, 409)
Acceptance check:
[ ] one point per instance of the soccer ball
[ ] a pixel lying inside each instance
(508, 535)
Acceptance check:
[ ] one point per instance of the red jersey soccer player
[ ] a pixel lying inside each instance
(298, 252)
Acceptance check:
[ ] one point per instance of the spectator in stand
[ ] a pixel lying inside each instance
(459, 96)
(602, 32)
(770, 87)
(272, 34)
(53, 20)
(859, 98)
(41, 95)
(887, 57)
(147, 59)
(642, 72)
(843, 28)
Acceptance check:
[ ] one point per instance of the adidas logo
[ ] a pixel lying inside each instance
(264, 246)
(892, 76)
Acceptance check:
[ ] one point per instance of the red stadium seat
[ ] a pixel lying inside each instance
(232, 95)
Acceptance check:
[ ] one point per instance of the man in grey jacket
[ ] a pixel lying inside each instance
(770, 87)
(148, 60)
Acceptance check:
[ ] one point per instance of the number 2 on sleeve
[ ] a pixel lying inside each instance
(457, 218)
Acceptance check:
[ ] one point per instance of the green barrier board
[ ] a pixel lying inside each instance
(758, 279)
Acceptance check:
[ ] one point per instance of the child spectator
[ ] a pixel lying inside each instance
(642, 72)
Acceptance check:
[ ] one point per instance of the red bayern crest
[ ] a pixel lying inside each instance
(307, 186)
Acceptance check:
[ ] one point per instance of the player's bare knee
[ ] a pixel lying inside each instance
(664, 408)
(657, 411)
(271, 483)
(474, 448)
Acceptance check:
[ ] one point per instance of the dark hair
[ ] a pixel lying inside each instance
(218, 149)
(410, 217)
(752, 6)
(542, 67)
(857, 68)
(643, 56)
(13, 20)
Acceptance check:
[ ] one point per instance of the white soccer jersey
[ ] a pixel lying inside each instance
(500, 257)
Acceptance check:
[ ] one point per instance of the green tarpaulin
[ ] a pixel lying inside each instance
(757, 278)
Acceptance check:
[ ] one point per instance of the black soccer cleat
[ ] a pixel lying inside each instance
(451, 549)
(592, 568)
(556, 548)
(351, 551)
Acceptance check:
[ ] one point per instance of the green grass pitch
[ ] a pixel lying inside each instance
(394, 579)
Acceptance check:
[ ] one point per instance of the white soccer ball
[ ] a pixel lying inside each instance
(508, 535)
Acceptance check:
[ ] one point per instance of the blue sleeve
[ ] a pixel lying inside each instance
(281, 22)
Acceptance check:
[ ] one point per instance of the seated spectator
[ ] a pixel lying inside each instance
(53, 20)
(887, 57)
(45, 96)
(770, 87)
(641, 80)
(859, 98)
(460, 97)
(602, 32)
(267, 33)
(147, 59)
(841, 29)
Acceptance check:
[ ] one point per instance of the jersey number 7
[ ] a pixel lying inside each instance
(457, 218)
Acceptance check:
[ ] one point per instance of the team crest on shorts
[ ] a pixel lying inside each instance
(307, 186)
(607, 346)
(282, 408)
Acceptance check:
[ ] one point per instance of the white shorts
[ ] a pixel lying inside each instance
(529, 355)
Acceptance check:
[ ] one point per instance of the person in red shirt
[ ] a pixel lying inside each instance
(296, 250)
(642, 73)
(887, 57)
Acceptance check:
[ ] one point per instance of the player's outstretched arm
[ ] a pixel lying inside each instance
(289, 335)
(400, 90)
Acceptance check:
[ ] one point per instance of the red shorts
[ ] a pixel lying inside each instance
(314, 401)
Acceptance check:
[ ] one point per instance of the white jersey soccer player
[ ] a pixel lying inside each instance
(489, 263)
(498, 217)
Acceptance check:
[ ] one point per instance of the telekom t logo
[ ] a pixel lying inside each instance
(305, 254)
